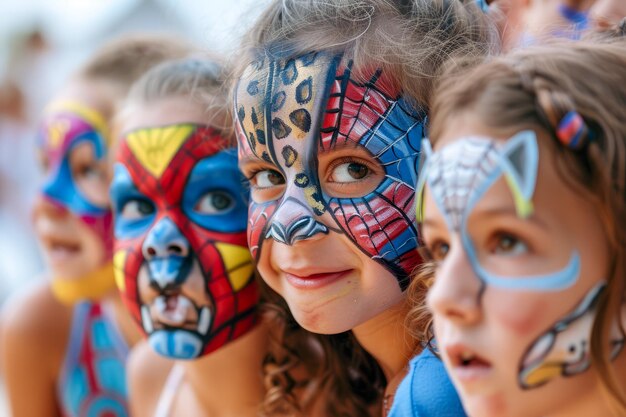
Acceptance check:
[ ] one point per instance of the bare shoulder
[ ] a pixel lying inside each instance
(34, 329)
(33, 315)
(147, 372)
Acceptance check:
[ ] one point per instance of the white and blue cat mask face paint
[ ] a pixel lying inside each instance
(459, 176)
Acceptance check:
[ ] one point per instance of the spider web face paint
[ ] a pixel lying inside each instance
(289, 112)
(65, 126)
(458, 177)
(181, 258)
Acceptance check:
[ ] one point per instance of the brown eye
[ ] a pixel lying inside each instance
(267, 178)
(349, 172)
(508, 244)
(90, 171)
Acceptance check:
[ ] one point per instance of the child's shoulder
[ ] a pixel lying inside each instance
(34, 332)
(35, 315)
(426, 390)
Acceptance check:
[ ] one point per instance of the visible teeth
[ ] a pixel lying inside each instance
(205, 321)
(147, 321)
(160, 304)
(174, 316)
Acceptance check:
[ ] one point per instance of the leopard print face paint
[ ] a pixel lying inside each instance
(293, 112)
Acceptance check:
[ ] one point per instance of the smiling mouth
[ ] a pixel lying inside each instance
(316, 280)
(175, 311)
(59, 250)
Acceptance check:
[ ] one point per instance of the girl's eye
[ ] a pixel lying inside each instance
(90, 172)
(137, 209)
(214, 202)
(507, 244)
(267, 178)
(349, 172)
(439, 250)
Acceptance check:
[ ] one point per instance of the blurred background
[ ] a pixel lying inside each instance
(41, 43)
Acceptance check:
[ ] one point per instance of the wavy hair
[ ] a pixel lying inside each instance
(410, 40)
(533, 89)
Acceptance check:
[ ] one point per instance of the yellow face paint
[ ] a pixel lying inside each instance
(92, 287)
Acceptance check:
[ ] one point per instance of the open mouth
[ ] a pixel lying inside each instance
(467, 365)
(175, 310)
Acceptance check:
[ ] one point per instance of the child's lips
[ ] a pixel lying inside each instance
(314, 279)
(60, 250)
(467, 365)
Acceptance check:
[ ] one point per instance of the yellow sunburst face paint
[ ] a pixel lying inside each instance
(182, 262)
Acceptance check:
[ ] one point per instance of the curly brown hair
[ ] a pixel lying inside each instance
(533, 89)
(409, 39)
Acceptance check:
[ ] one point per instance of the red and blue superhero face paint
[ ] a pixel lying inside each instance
(67, 125)
(181, 257)
(291, 112)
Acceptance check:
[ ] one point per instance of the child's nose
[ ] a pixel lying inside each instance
(456, 291)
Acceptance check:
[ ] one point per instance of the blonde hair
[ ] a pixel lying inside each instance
(123, 60)
(533, 89)
(409, 40)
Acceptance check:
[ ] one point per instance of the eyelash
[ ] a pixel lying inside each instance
(497, 235)
(254, 171)
(347, 160)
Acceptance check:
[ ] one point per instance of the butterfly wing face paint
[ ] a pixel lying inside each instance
(292, 111)
(67, 125)
(181, 257)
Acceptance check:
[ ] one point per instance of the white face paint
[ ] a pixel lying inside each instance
(518, 273)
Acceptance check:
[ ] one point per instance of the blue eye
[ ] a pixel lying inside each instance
(136, 209)
(215, 202)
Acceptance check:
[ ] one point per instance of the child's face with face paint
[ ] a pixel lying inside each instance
(332, 164)
(71, 215)
(181, 258)
(519, 269)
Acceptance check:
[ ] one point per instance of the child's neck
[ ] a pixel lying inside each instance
(387, 339)
(229, 382)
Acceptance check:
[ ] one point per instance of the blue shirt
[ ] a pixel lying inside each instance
(426, 390)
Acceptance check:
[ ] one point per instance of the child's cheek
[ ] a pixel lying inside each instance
(522, 314)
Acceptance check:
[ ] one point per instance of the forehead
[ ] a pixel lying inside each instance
(162, 112)
(276, 99)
